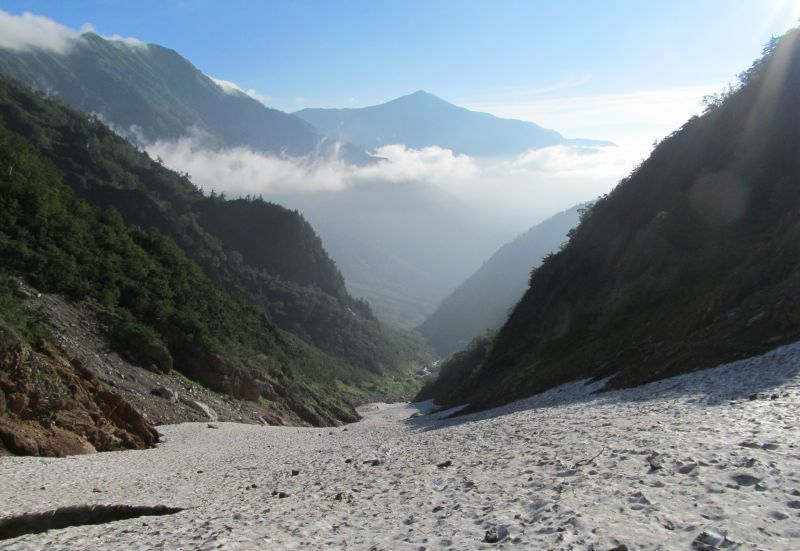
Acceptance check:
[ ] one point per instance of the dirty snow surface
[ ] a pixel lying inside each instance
(707, 460)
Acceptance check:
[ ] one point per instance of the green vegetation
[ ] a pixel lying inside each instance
(691, 261)
(270, 257)
(29, 324)
(457, 369)
(85, 214)
(85, 252)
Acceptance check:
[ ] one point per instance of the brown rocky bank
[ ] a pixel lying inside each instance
(51, 406)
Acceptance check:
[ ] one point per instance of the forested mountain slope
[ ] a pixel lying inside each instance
(691, 261)
(138, 238)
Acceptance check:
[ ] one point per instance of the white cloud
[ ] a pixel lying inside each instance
(256, 95)
(510, 193)
(29, 31)
(126, 40)
(434, 165)
(227, 86)
(232, 88)
(241, 171)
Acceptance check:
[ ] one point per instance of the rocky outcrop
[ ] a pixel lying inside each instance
(137, 346)
(54, 407)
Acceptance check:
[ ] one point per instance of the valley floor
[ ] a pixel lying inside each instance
(710, 459)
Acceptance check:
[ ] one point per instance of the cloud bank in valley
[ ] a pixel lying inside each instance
(29, 31)
(517, 191)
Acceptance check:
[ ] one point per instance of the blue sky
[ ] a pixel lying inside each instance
(617, 69)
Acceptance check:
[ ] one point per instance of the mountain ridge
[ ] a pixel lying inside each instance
(151, 93)
(421, 119)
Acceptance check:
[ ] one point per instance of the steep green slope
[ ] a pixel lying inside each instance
(691, 261)
(85, 252)
(293, 280)
(151, 93)
(422, 120)
(483, 301)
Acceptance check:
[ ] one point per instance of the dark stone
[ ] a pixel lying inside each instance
(495, 534)
(372, 462)
(15, 442)
(444, 464)
(295, 472)
(17, 402)
(142, 349)
(711, 539)
(745, 479)
(655, 461)
(165, 393)
(282, 495)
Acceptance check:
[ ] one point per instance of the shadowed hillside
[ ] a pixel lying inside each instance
(691, 261)
(484, 300)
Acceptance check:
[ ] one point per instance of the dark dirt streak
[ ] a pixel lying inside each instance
(76, 515)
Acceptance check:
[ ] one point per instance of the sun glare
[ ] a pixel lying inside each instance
(785, 10)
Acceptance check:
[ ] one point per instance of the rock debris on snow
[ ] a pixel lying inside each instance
(683, 463)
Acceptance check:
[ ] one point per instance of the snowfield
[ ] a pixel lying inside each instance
(702, 461)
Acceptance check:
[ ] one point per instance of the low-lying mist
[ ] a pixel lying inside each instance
(510, 193)
(408, 228)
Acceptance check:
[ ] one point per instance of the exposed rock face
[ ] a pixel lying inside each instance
(54, 407)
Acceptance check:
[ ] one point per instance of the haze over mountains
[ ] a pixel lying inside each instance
(426, 210)
(421, 120)
(484, 300)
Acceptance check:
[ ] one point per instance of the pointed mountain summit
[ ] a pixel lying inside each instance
(422, 120)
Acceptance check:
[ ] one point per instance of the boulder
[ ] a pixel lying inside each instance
(142, 349)
(200, 408)
(16, 442)
(17, 402)
(165, 393)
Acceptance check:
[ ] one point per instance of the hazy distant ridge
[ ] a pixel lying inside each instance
(422, 120)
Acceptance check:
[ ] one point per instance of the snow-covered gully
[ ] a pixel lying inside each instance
(707, 460)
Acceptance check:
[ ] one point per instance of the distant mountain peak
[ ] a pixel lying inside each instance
(421, 119)
(420, 96)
